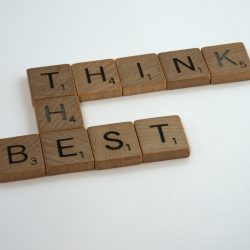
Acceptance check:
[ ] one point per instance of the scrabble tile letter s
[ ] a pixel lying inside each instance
(115, 145)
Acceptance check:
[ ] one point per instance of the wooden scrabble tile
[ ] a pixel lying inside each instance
(184, 68)
(21, 158)
(162, 138)
(227, 62)
(51, 81)
(58, 113)
(115, 145)
(97, 80)
(141, 74)
(67, 151)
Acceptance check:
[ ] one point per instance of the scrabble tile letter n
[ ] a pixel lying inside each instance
(51, 81)
(115, 145)
(97, 80)
(58, 113)
(21, 158)
(227, 62)
(67, 151)
(184, 68)
(162, 138)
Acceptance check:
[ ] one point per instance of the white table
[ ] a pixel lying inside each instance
(199, 203)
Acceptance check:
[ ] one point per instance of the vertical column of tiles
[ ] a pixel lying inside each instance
(67, 151)
(21, 158)
(227, 62)
(115, 145)
(162, 138)
(97, 80)
(57, 108)
(141, 74)
(184, 68)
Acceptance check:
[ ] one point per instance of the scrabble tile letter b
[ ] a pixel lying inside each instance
(58, 113)
(21, 158)
(115, 145)
(227, 62)
(51, 81)
(162, 138)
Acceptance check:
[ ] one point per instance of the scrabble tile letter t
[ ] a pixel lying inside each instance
(51, 81)
(162, 138)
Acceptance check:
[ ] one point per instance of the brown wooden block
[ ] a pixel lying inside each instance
(51, 81)
(141, 74)
(227, 62)
(21, 158)
(97, 80)
(115, 145)
(58, 113)
(67, 151)
(162, 138)
(184, 68)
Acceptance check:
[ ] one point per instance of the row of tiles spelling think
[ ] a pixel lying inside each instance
(142, 73)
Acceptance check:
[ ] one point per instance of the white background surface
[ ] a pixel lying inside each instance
(197, 203)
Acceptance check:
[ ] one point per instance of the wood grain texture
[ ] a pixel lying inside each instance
(97, 80)
(141, 74)
(227, 62)
(184, 68)
(51, 81)
(21, 158)
(115, 145)
(67, 151)
(58, 113)
(162, 138)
